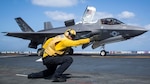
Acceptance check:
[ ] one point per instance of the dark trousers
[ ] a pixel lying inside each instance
(51, 63)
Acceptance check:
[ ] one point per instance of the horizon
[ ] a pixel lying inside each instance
(35, 12)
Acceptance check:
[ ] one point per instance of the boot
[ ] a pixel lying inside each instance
(59, 79)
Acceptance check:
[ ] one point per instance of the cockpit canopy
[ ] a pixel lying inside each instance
(110, 21)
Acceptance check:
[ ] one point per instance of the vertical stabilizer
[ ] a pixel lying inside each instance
(88, 14)
(47, 25)
(23, 25)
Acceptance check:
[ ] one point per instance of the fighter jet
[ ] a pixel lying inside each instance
(109, 30)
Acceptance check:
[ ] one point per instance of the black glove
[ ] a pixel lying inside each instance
(94, 38)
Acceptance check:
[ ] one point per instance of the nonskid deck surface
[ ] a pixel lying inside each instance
(86, 69)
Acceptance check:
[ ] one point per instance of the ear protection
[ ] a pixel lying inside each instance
(70, 32)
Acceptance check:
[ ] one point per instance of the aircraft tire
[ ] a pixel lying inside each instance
(103, 53)
(70, 51)
(40, 52)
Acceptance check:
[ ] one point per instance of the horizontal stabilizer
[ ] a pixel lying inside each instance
(23, 25)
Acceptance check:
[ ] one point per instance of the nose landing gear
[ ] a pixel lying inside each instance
(103, 52)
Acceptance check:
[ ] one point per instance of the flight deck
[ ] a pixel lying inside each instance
(86, 69)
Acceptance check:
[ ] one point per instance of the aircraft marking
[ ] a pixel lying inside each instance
(114, 33)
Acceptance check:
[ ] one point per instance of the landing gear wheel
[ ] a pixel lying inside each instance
(70, 51)
(103, 53)
(40, 52)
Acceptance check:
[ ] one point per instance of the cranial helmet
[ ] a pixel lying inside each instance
(70, 32)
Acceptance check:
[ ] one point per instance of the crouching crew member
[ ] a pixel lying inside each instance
(54, 49)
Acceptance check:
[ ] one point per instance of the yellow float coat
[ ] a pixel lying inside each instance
(57, 45)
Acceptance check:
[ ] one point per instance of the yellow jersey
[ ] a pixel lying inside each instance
(57, 45)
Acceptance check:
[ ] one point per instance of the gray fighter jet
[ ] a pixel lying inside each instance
(108, 30)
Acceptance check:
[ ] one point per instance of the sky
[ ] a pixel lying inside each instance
(35, 12)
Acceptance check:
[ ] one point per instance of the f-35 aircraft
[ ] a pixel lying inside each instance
(108, 30)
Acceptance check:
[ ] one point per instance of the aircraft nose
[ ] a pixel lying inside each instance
(135, 32)
(140, 31)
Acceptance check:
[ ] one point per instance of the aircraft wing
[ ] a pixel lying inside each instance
(31, 35)
(35, 38)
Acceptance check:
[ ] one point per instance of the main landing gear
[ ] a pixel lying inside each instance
(40, 52)
(69, 51)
